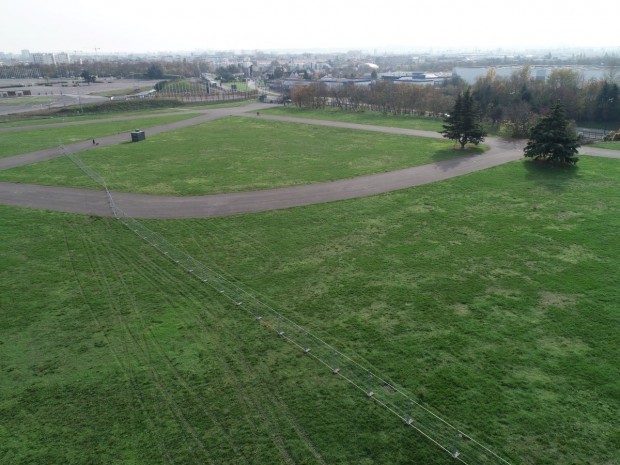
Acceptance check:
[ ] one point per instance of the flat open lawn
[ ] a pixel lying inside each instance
(367, 117)
(492, 297)
(238, 154)
(603, 145)
(24, 100)
(16, 142)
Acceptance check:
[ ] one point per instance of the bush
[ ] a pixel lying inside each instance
(517, 129)
(613, 136)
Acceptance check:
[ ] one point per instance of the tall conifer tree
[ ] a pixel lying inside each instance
(553, 139)
(463, 124)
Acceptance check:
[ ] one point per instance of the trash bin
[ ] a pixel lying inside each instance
(137, 135)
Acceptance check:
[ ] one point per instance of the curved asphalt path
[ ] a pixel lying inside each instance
(151, 206)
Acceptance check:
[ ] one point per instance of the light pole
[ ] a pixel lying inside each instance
(610, 102)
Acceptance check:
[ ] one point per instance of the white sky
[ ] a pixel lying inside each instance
(151, 25)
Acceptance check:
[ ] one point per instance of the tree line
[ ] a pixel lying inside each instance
(129, 69)
(515, 103)
(511, 104)
(382, 96)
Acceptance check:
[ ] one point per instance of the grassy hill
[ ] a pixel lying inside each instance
(491, 298)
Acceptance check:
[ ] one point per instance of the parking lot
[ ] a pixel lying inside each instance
(44, 94)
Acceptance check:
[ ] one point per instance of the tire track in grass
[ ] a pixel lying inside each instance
(268, 392)
(128, 373)
(231, 361)
(299, 429)
(161, 352)
(265, 392)
(128, 353)
(266, 254)
(202, 319)
(146, 358)
(142, 345)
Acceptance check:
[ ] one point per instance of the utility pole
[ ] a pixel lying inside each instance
(96, 59)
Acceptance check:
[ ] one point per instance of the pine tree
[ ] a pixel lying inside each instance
(553, 140)
(463, 124)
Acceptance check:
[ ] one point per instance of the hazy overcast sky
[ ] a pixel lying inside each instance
(144, 26)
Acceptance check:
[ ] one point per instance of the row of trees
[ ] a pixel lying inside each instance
(552, 139)
(511, 104)
(382, 96)
(138, 69)
(515, 103)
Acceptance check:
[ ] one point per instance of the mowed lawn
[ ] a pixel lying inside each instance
(492, 298)
(240, 154)
(45, 120)
(16, 142)
(363, 117)
(25, 100)
(602, 145)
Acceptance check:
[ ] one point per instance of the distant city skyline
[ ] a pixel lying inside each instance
(274, 25)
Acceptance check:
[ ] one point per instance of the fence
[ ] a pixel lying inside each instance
(591, 135)
(192, 96)
(412, 413)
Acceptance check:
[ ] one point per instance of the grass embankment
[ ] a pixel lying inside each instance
(239, 154)
(492, 297)
(122, 92)
(52, 118)
(366, 117)
(16, 142)
(45, 120)
(93, 110)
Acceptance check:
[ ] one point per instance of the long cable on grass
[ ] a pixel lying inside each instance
(447, 437)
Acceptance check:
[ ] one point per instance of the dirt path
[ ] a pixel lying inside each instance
(150, 206)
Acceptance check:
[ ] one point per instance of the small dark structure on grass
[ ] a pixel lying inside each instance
(137, 135)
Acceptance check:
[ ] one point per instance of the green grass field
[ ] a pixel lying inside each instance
(491, 297)
(121, 92)
(239, 154)
(367, 117)
(25, 100)
(43, 120)
(16, 142)
(603, 145)
(241, 86)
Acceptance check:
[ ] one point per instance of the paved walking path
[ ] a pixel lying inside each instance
(151, 206)
(54, 152)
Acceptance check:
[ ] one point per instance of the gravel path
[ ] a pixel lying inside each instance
(151, 206)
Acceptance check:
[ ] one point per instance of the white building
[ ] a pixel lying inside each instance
(62, 58)
(541, 73)
(43, 58)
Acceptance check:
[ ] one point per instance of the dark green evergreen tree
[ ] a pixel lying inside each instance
(155, 71)
(87, 76)
(553, 139)
(608, 102)
(463, 123)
